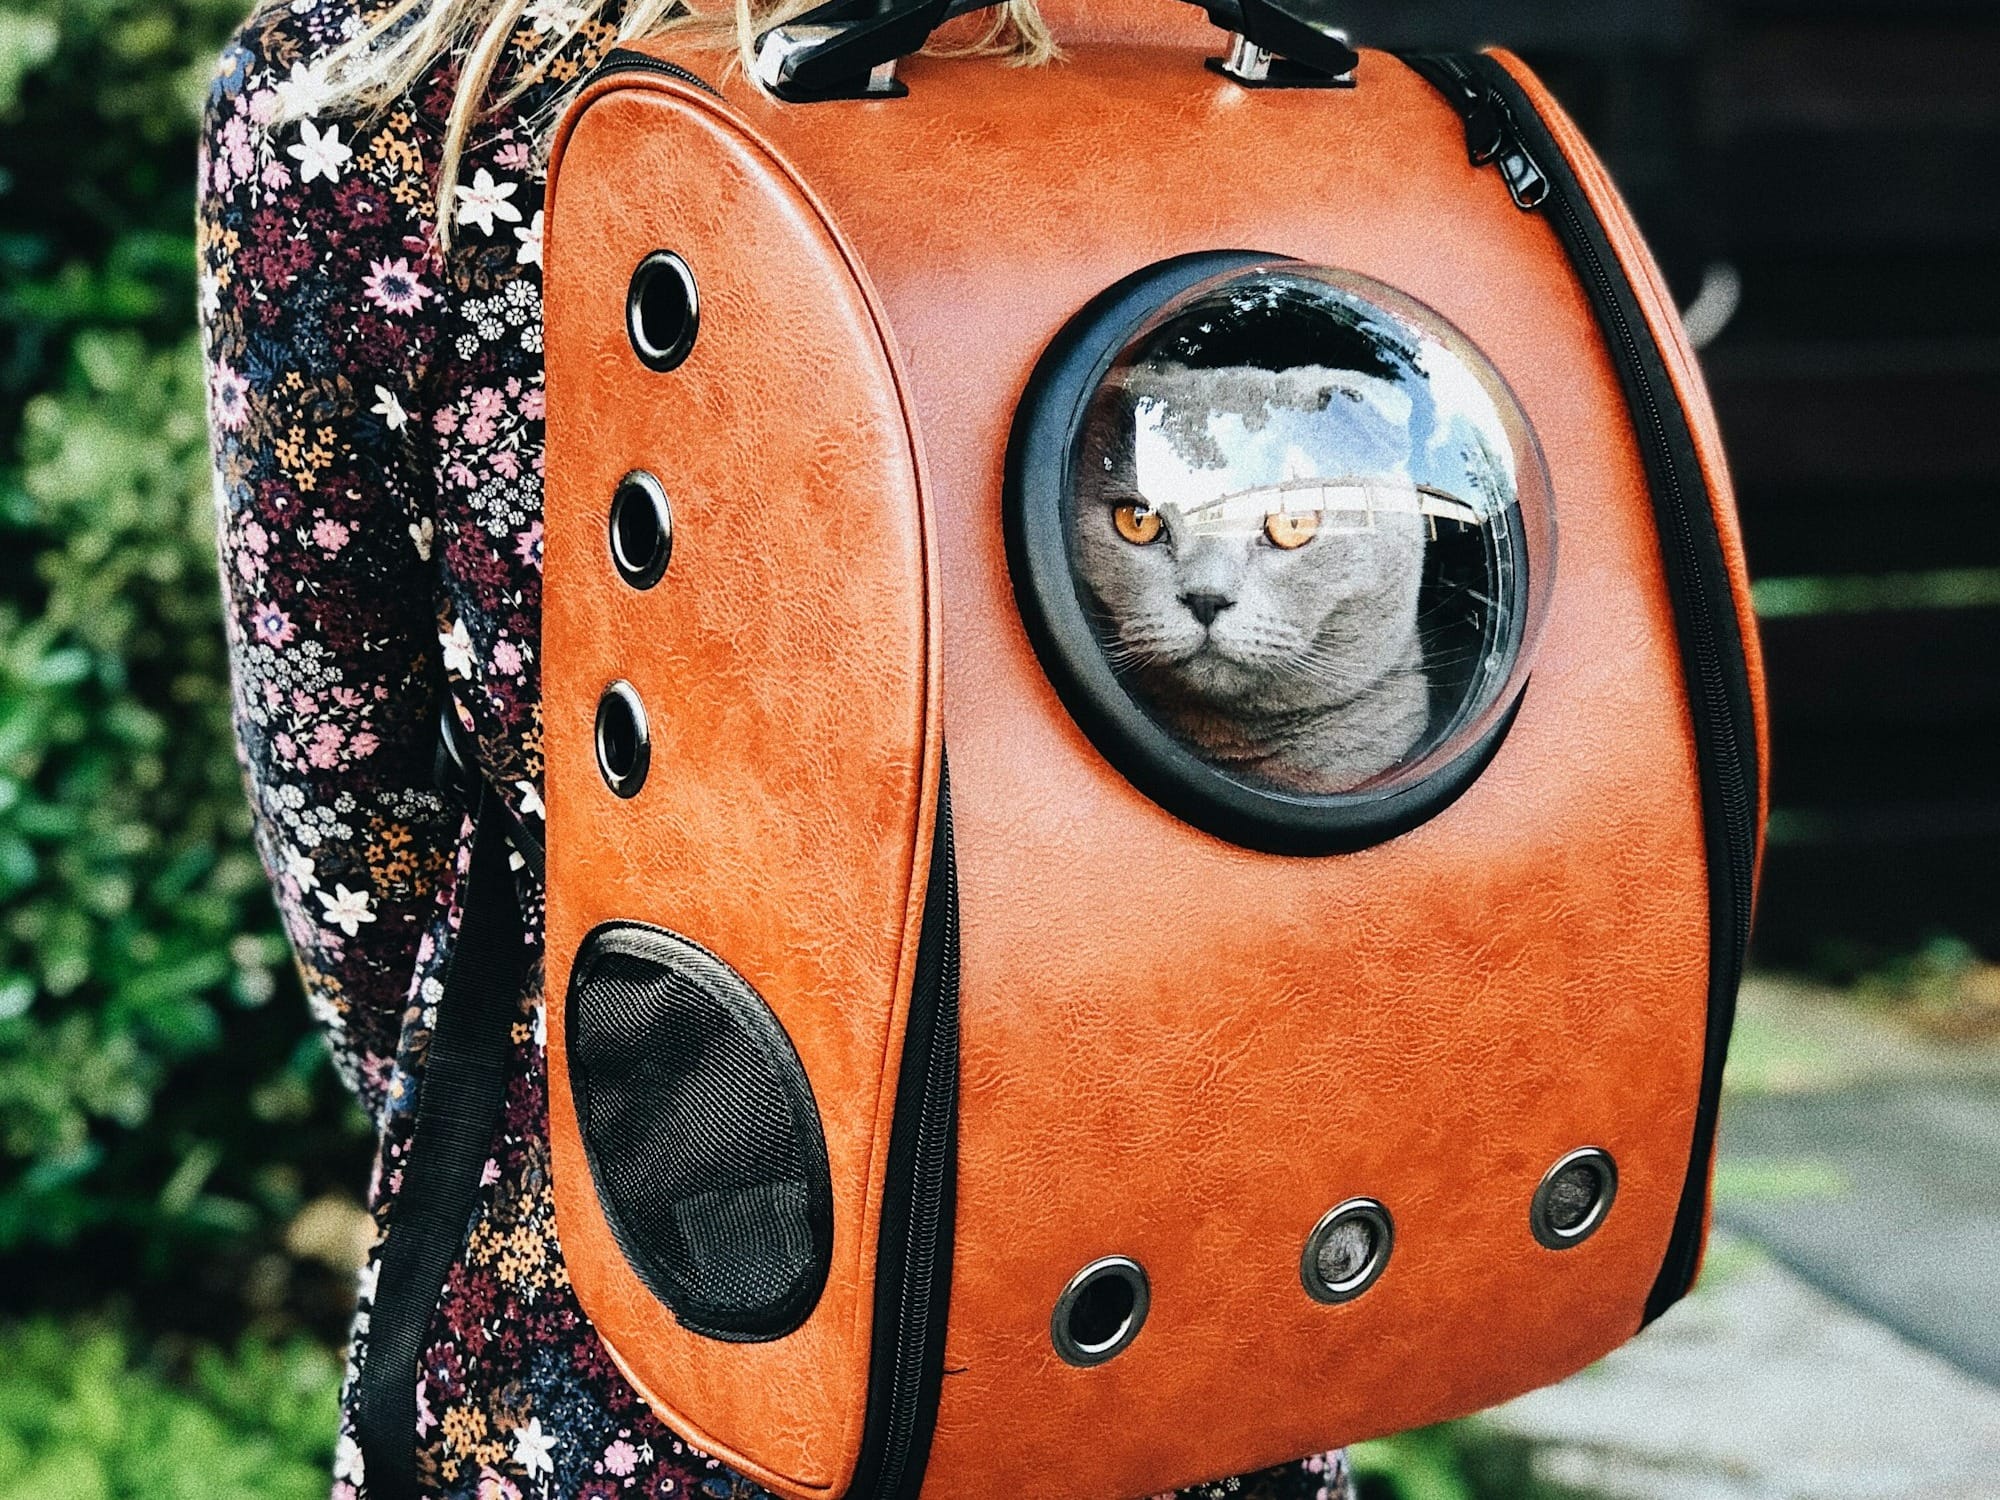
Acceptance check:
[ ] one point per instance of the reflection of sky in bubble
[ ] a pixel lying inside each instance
(1437, 424)
(1469, 452)
(1462, 397)
(1362, 437)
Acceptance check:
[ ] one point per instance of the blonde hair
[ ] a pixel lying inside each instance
(400, 45)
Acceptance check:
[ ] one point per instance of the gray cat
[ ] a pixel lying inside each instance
(1269, 624)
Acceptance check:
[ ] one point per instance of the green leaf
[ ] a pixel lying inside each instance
(26, 42)
(1422, 1465)
(84, 1415)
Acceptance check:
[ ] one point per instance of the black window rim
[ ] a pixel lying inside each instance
(1603, 1168)
(1382, 1231)
(621, 700)
(1118, 1270)
(1039, 456)
(641, 488)
(654, 354)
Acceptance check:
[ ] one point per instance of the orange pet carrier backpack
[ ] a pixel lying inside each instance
(1276, 481)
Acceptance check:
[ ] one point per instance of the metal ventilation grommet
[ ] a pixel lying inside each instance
(1101, 1311)
(1347, 1250)
(1574, 1197)
(662, 311)
(624, 749)
(641, 530)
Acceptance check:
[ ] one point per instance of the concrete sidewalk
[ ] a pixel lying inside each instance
(1867, 1159)
(1759, 1387)
(1835, 1347)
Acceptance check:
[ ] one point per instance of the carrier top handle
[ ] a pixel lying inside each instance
(848, 49)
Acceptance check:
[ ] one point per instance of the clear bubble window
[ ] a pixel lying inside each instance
(1311, 531)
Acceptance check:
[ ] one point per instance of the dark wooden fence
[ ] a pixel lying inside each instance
(1842, 162)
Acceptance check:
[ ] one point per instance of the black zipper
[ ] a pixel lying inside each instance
(1490, 132)
(1503, 128)
(913, 1263)
(630, 60)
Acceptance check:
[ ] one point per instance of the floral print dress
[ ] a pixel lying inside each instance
(377, 420)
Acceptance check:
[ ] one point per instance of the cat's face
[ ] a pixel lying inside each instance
(1218, 583)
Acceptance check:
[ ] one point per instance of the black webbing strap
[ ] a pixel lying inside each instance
(458, 1115)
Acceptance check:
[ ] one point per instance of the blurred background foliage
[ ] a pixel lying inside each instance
(84, 1415)
(176, 1156)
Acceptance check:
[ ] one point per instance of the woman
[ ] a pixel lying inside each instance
(371, 240)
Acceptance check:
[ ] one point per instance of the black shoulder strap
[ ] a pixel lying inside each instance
(459, 1101)
(458, 776)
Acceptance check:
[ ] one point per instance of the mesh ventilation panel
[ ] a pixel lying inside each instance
(702, 1135)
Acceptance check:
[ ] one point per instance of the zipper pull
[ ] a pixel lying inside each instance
(1490, 136)
(1485, 130)
(1466, 94)
(1526, 181)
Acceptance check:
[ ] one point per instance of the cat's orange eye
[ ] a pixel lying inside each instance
(1290, 529)
(1138, 524)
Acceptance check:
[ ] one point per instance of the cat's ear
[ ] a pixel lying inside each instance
(1107, 437)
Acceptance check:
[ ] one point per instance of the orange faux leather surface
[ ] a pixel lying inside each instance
(788, 662)
(1174, 1049)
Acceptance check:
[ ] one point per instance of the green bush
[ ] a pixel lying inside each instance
(80, 1419)
(1467, 1460)
(151, 1034)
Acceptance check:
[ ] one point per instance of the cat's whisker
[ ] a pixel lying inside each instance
(1445, 607)
(1469, 656)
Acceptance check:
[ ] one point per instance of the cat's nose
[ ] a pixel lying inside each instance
(1205, 607)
